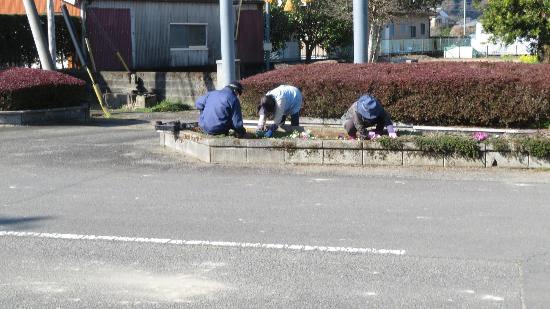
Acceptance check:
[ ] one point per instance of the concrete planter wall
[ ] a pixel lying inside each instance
(329, 152)
(46, 116)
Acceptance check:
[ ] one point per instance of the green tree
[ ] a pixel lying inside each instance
(312, 24)
(281, 29)
(509, 20)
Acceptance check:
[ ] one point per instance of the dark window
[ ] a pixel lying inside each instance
(413, 31)
(187, 35)
(422, 29)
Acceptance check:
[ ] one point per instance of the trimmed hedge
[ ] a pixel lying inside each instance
(23, 88)
(434, 93)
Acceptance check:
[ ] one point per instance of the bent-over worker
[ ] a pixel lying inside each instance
(220, 111)
(280, 102)
(364, 113)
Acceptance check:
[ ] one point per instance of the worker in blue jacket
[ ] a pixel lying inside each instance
(220, 111)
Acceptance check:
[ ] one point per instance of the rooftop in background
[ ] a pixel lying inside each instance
(16, 7)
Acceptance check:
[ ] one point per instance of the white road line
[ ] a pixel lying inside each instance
(205, 243)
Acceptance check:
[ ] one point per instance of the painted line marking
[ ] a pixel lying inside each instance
(492, 297)
(227, 244)
(321, 179)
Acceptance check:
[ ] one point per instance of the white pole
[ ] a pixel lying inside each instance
(464, 17)
(227, 42)
(360, 30)
(38, 35)
(51, 30)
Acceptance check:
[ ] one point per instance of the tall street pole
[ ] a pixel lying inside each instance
(38, 35)
(51, 30)
(227, 42)
(464, 18)
(267, 30)
(360, 30)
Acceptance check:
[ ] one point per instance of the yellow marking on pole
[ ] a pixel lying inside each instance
(238, 20)
(98, 95)
(89, 47)
(122, 61)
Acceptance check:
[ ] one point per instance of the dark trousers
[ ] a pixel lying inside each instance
(294, 119)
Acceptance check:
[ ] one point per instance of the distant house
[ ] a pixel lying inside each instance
(440, 20)
(164, 35)
(411, 27)
(482, 43)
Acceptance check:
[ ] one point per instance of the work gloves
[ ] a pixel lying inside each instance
(261, 133)
(391, 131)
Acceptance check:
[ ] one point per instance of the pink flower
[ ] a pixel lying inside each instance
(480, 136)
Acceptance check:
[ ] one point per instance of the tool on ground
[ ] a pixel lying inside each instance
(175, 126)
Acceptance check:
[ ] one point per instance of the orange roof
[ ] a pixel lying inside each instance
(16, 7)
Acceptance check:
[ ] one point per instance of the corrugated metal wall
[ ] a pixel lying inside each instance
(250, 37)
(151, 28)
(16, 7)
(109, 31)
(152, 20)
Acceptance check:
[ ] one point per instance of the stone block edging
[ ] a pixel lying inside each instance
(46, 116)
(330, 152)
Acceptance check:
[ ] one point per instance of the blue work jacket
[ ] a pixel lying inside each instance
(220, 110)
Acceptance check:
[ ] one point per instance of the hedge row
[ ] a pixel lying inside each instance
(23, 88)
(17, 47)
(436, 93)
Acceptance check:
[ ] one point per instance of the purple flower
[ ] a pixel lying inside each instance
(480, 136)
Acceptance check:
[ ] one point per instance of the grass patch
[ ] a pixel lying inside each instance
(164, 106)
(391, 143)
(448, 145)
(536, 146)
(500, 144)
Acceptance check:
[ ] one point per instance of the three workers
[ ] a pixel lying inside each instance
(220, 112)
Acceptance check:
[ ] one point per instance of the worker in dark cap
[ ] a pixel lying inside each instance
(283, 101)
(367, 112)
(220, 110)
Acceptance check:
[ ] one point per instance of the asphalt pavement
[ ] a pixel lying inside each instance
(99, 215)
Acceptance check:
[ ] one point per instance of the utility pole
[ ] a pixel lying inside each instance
(38, 35)
(51, 30)
(360, 30)
(227, 42)
(464, 19)
(267, 30)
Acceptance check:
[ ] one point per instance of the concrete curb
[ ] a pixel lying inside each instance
(331, 152)
(46, 116)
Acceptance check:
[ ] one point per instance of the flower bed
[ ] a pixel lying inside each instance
(477, 150)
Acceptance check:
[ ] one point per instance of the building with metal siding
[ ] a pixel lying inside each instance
(16, 7)
(168, 34)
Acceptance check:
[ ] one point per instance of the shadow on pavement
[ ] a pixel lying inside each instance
(21, 222)
(115, 122)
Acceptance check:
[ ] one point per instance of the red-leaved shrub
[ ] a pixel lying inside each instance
(435, 93)
(24, 88)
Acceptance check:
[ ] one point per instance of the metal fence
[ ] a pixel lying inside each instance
(420, 46)
(465, 47)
